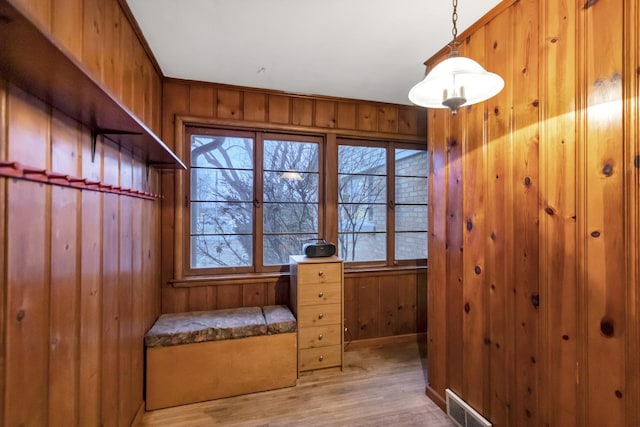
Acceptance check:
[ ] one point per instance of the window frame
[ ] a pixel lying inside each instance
(258, 136)
(390, 146)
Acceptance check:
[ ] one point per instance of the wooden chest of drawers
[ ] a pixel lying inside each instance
(317, 302)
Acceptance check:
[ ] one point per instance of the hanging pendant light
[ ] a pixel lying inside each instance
(457, 81)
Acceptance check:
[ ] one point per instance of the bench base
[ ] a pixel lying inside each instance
(189, 373)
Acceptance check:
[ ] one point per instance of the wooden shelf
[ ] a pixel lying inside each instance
(32, 60)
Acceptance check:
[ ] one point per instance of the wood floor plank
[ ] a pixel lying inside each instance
(380, 386)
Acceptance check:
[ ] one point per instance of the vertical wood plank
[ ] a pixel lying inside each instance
(388, 314)
(454, 250)
(436, 292)
(301, 111)
(229, 104)
(92, 41)
(475, 288)
(110, 369)
(499, 217)
(278, 109)
(525, 136)
(255, 106)
(407, 303)
(138, 302)
(388, 119)
(558, 391)
(28, 128)
(199, 299)
(65, 145)
(350, 308)
(347, 115)
(64, 308)
(421, 302)
(368, 307)
(253, 295)
(631, 74)
(367, 117)
(202, 100)
(27, 334)
(66, 25)
(325, 115)
(126, 340)
(3, 249)
(229, 296)
(604, 285)
(90, 387)
(408, 121)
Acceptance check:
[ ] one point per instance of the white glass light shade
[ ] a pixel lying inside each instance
(458, 77)
(291, 176)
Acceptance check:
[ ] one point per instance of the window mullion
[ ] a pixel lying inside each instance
(258, 210)
(391, 195)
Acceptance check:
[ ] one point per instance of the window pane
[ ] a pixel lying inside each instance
(221, 208)
(362, 218)
(411, 245)
(362, 160)
(290, 194)
(285, 156)
(221, 152)
(412, 163)
(363, 246)
(290, 218)
(412, 190)
(362, 189)
(411, 204)
(301, 188)
(362, 202)
(221, 251)
(221, 218)
(412, 218)
(278, 247)
(221, 185)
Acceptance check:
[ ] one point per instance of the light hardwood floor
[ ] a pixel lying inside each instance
(380, 386)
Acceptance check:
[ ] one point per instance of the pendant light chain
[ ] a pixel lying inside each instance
(454, 19)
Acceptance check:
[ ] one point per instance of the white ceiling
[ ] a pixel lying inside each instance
(362, 49)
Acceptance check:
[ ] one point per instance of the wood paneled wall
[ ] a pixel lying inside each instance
(376, 304)
(533, 281)
(80, 271)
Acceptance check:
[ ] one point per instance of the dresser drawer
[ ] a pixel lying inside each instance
(319, 336)
(320, 273)
(319, 315)
(319, 293)
(318, 358)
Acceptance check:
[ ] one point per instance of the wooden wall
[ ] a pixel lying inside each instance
(533, 281)
(376, 304)
(79, 282)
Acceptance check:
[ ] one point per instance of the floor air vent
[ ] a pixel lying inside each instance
(463, 414)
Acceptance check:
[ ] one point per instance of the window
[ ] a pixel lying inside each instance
(254, 199)
(382, 202)
(410, 208)
(362, 200)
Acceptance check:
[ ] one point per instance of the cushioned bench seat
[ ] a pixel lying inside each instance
(206, 355)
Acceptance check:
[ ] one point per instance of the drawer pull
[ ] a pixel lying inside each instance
(321, 294)
(320, 337)
(321, 358)
(320, 273)
(320, 316)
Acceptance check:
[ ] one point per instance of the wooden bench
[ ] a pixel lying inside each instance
(204, 355)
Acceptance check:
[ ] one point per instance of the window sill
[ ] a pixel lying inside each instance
(277, 276)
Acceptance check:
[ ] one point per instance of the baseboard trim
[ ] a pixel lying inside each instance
(436, 398)
(382, 341)
(137, 420)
